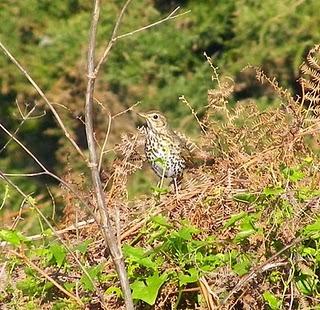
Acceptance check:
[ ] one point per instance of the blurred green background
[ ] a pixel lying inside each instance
(49, 38)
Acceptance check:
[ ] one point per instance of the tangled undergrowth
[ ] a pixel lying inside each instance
(243, 233)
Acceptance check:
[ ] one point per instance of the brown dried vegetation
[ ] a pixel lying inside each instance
(251, 149)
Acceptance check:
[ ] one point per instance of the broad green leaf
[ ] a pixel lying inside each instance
(11, 236)
(235, 218)
(148, 290)
(242, 267)
(147, 262)
(273, 191)
(306, 284)
(246, 229)
(191, 276)
(133, 252)
(273, 302)
(313, 230)
(245, 197)
(293, 175)
(160, 220)
(58, 252)
(83, 246)
(187, 232)
(94, 272)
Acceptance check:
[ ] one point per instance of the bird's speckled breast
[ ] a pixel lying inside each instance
(164, 156)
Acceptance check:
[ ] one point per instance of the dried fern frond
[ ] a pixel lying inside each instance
(310, 81)
(284, 94)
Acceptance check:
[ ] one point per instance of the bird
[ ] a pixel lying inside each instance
(167, 151)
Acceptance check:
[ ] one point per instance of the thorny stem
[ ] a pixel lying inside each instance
(107, 230)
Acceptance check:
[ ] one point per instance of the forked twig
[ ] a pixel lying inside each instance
(44, 97)
(114, 36)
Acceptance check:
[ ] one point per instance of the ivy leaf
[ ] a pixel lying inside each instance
(235, 218)
(273, 191)
(58, 252)
(192, 277)
(148, 291)
(83, 246)
(11, 236)
(273, 302)
(94, 272)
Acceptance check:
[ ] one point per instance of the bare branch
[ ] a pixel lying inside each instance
(114, 36)
(170, 16)
(44, 97)
(112, 40)
(107, 230)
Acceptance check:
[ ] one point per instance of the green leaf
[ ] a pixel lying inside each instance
(160, 220)
(235, 218)
(313, 230)
(114, 290)
(273, 302)
(83, 246)
(58, 252)
(245, 197)
(241, 268)
(69, 286)
(148, 290)
(11, 236)
(273, 191)
(306, 284)
(94, 272)
(133, 252)
(246, 229)
(191, 277)
(187, 232)
(293, 175)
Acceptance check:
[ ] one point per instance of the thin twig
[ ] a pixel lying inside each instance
(114, 37)
(112, 40)
(45, 275)
(261, 268)
(44, 97)
(102, 152)
(77, 226)
(46, 171)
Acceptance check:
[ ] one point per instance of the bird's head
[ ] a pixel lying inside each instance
(154, 120)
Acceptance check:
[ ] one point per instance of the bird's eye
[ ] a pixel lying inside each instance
(155, 116)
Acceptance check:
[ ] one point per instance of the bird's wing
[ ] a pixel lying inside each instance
(192, 153)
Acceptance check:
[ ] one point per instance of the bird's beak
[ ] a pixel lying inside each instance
(143, 115)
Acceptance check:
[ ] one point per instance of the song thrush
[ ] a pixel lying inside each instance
(167, 151)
